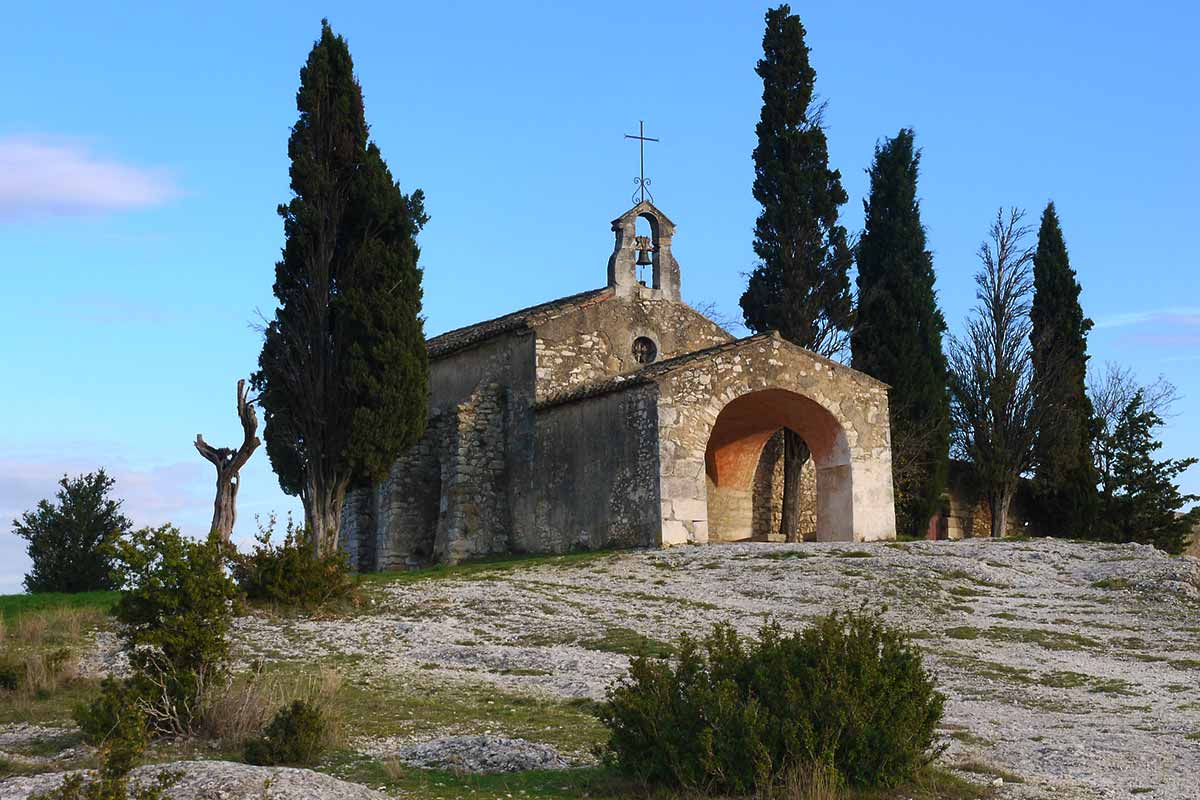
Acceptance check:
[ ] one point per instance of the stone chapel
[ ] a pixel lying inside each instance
(622, 417)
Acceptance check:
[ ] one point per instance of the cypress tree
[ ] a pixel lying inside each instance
(897, 334)
(1064, 473)
(343, 372)
(801, 285)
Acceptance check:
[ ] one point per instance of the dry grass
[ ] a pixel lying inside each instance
(54, 627)
(815, 782)
(39, 649)
(240, 709)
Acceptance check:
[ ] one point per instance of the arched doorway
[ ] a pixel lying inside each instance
(742, 462)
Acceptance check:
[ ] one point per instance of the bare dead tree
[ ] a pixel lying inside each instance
(991, 370)
(713, 313)
(229, 463)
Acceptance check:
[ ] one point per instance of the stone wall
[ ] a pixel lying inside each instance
(768, 496)
(475, 519)
(448, 497)
(597, 341)
(595, 477)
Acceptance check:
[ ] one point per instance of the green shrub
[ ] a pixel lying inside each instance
(738, 716)
(296, 737)
(104, 716)
(120, 748)
(175, 611)
(290, 574)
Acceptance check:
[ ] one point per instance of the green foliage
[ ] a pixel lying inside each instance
(295, 737)
(1141, 500)
(121, 746)
(735, 716)
(175, 612)
(801, 287)
(290, 574)
(1065, 477)
(101, 718)
(897, 334)
(71, 541)
(343, 371)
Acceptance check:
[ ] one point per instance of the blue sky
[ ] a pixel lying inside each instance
(143, 153)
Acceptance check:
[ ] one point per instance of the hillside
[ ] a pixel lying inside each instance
(1071, 670)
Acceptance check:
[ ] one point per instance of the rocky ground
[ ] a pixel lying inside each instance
(1071, 670)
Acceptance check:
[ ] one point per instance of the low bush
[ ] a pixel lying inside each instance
(849, 695)
(297, 736)
(242, 707)
(175, 611)
(120, 748)
(290, 574)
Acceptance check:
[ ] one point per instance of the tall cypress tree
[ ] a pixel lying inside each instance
(801, 285)
(897, 334)
(1064, 473)
(343, 372)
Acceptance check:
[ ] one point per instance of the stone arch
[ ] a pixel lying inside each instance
(735, 444)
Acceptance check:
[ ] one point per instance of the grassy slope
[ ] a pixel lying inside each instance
(426, 709)
(14, 605)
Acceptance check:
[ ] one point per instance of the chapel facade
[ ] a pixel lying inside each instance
(622, 417)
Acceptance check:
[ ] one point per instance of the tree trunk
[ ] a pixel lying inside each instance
(323, 515)
(795, 454)
(999, 502)
(228, 463)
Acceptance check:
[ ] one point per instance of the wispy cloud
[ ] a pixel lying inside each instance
(1175, 317)
(42, 176)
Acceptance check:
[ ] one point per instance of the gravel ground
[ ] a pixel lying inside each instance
(1071, 668)
(218, 780)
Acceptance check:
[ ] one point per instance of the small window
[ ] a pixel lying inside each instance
(644, 350)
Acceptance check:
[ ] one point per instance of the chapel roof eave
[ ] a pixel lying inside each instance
(445, 344)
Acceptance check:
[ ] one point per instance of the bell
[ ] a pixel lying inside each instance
(643, 259)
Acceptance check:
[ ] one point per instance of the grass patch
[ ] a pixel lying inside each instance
(777, 555)
(966, 737)
(965, 591)
(1065, 680)
(963, 632)
(1185, 663)
(482, 568)
(628, 642)
(1116, 584)
(418, 707)
(977, 767)
(1051, 640)
(16, 605)
(1112, 686)
(596, 783)
(854, 554)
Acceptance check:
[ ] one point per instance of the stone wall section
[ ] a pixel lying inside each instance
(767, 510)
(595, 480)
(475, 519)
(596, 341)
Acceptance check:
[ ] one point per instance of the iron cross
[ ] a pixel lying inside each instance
(641, 181)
